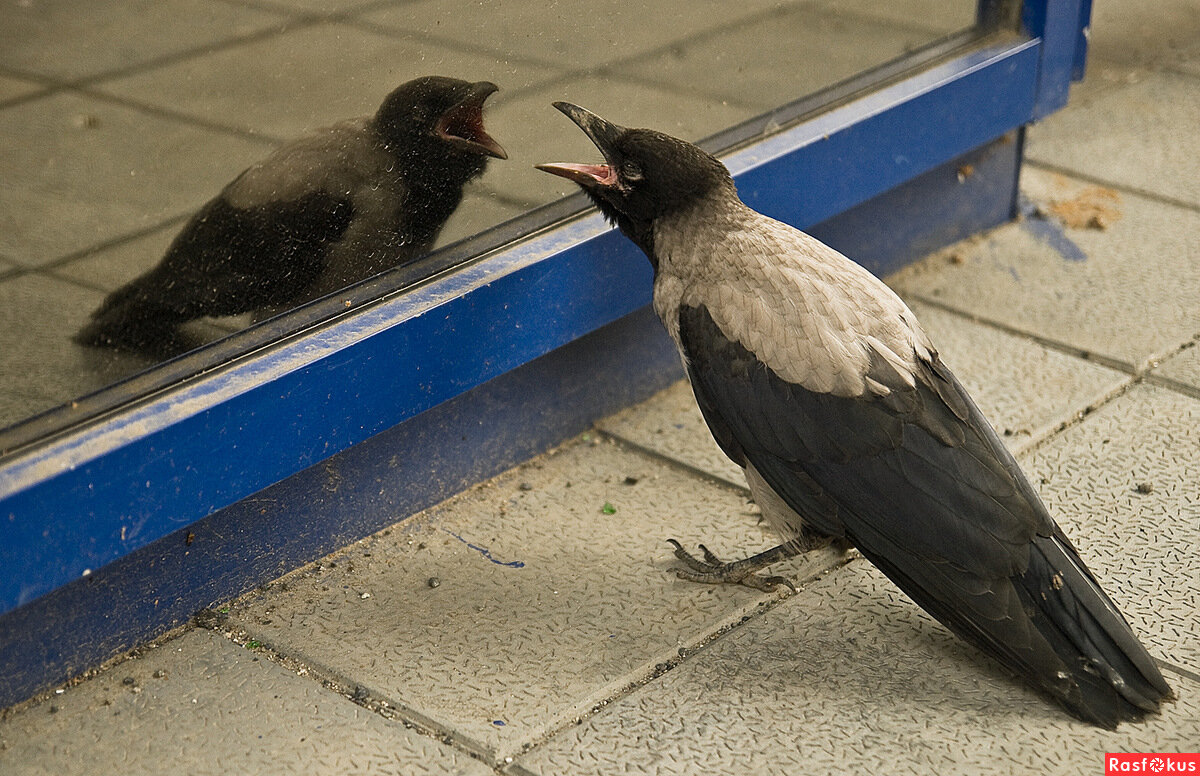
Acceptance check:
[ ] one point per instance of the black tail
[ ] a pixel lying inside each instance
(1111, 678)
(132, 318)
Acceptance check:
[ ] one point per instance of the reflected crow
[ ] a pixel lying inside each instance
(320, 213)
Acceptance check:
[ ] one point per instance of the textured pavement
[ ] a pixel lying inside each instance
(531, 625)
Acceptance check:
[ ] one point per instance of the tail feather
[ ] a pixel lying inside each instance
(131, 317)
(1113, 678)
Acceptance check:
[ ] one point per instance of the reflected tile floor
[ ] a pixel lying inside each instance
(109, 148)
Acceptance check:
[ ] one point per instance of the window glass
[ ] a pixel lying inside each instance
(120, 121)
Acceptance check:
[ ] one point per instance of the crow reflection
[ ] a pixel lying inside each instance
(318, 214)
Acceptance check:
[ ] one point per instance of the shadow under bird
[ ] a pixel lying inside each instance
(320, 213)
(819, 382)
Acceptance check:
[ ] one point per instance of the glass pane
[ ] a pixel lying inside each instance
(121, 120)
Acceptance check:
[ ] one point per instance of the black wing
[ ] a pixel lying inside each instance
(226, 261)
(920, 483)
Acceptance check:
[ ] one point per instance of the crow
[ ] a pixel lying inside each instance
(819, 382)
(320, 213)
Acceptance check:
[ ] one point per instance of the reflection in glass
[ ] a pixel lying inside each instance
(322, 212)
(120, 120)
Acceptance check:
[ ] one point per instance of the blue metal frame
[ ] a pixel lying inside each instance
(101, 492)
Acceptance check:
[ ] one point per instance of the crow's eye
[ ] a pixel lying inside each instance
(631, 171)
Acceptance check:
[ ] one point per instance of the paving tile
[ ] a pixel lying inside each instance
(1024, 388)
(317, 7)
(11, 88)
(110, 36)
(498, 655)
(42, 362)
(847, 677)
(742, 64)
(1147, 140)
(90, 171)
(479, 210)
(670, 424)
(1140, 545)
(15, 407)
(203, 705)
(112, 267)
(576, 34)
(1130, 291)
(1141, 31)
(934, 15)
(532, 131)
(1184, 367)
(289, 84)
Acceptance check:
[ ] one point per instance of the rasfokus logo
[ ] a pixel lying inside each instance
(1151, 762)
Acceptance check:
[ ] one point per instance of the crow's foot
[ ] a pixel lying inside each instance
(713, 571)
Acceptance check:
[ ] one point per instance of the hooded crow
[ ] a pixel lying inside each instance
(321, 212)
(818, 381)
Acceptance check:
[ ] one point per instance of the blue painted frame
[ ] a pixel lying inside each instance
(100, 492)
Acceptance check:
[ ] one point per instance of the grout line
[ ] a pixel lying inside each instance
(687, 652)
(220, 624)
(1180, 670)
(1171, 384)
(98, 93)
(695, 471)
(1052, 344)
(83, 253)
(1165, 199)
(282, 26)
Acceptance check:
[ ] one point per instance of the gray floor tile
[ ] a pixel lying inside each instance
(11, 88)
(1130, 291)
(1184, 367)
(90, 171)
(478, 210)
(671, 425)
(500, 655)
(847, 677)
(110, 36)
(740, 64)
(15, 407)
(319, 7)
(289, 84)
(115, 266)
(1141, 31)
(575, 34)
(1025, 389)
(1140, 545)
(934, 15)
(202, 705)
(42, 361)
(532, 131)
(1139, 135)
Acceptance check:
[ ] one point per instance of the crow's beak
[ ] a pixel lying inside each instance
(603, 133)
(462, 125)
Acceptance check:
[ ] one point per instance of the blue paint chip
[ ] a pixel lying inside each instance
(485, 552)
(498, 722)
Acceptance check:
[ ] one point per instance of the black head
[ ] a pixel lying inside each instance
(436, 123)
(645, 175)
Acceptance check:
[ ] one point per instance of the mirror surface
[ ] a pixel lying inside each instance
(121, 120)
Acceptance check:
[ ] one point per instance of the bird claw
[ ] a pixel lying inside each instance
(713, 571)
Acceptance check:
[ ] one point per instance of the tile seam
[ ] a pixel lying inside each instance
(1164, 199)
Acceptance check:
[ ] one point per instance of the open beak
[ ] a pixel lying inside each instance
(462, 125)
(603, 133)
